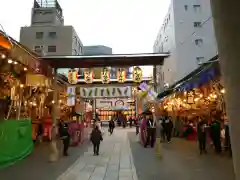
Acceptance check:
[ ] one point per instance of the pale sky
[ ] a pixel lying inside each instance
(128, 26)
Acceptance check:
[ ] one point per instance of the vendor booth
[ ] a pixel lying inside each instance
(200, 94)
(16, 63)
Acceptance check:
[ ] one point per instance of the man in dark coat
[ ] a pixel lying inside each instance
(111, 126)
(65, 136)
(168, 129)
(96, 138)
(202, 135)
(151, 132)
(216, 134)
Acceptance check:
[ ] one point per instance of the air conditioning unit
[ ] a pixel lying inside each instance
(39, 50)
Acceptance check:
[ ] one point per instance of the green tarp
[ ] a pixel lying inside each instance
(15, 141)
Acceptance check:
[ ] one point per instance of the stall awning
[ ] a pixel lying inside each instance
(199, 76)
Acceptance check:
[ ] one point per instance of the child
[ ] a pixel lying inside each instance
(96, 138)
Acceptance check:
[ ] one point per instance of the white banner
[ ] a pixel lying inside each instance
(102, 92)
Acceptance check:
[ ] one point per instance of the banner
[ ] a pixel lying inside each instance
(15, 141)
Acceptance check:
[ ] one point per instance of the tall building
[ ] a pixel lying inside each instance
(188, 34)
(96, 50)
(99, 50)
(47, 34)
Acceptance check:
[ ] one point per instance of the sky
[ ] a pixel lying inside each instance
(128, 26)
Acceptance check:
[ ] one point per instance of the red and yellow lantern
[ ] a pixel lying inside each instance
(121, 75)
(137, 74)
(88, 76)
(72, 76)
(105, 76)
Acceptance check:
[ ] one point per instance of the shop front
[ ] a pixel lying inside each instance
(200, 95)
(16, 64)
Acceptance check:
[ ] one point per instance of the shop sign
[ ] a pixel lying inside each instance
(110, 103)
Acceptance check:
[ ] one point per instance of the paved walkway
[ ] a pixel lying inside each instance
(181, 161)
(114, 162)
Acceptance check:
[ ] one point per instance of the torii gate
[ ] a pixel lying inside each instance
(117, 60)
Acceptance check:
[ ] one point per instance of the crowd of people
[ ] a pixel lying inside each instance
(209, 131)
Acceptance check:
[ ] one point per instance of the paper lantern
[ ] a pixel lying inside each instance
(72, 76)
(137, 74)
(88, 76)
(121, 75)
(105, 76)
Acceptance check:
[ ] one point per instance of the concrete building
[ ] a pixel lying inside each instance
(188, 34)
(47, 34)
(96, 50)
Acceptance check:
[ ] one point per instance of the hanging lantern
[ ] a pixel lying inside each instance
(88, 76)
(137, 74)
(105, 75)
(72, 76)
(121, 75)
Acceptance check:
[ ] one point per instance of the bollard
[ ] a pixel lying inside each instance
(158, 150)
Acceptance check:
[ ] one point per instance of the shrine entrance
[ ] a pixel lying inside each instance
(106, 95)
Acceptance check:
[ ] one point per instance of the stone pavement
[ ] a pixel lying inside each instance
(114, 162)
(181, 161)
(37, 167)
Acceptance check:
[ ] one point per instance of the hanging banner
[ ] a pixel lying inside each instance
(88, 76)
(72, 76)
(105, 76)
(101, 92)
(121, 75)
(137, 74)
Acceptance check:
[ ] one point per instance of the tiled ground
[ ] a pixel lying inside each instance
(114, 162)
(181, 161)
(123, 158)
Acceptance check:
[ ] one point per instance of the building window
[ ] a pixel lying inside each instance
(39, 35)
(196, 8)
(198, 42)
(52, 48)
(197, 24)
(200, 60)
(38, 49)
(52, 34)
(186, 7)
(169, 17)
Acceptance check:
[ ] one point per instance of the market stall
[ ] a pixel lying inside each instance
(200, 94)
(16, 62)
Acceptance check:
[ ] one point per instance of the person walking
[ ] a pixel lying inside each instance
(202, 135)
(168, 129)
(65, 136)
(96, 138)
(216, 134)
(111, 126)
(150, 132)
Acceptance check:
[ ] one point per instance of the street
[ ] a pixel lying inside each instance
(123, 158)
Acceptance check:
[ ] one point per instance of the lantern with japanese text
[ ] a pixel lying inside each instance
(121, 75)
(105, 76)
(72, 76)
(88, 75)
(137, 74)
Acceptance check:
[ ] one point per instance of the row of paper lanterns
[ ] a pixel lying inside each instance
(105, 75)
